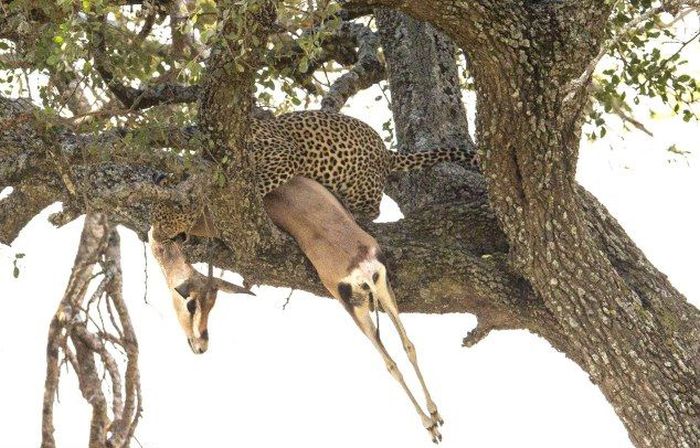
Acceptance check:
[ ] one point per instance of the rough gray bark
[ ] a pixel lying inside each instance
(225, 104)
(426, 103)
(538, 253)
(634, 334)
(367, 71)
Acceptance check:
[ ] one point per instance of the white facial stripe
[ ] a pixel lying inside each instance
(195, 322)
(363, 273)
(367, 268)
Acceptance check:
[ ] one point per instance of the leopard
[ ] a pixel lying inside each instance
(342, 153)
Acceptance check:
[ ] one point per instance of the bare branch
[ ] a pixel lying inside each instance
(124, 424)
(92, 242)
(55, 341)
(91, 388)
(99, 244)
(365, 73)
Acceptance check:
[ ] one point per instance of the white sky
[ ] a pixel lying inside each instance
(307, 377)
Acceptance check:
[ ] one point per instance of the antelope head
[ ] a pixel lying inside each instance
(193, 294)
(193, 300)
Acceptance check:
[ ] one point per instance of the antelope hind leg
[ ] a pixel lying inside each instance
(389, 304)
(361, 316)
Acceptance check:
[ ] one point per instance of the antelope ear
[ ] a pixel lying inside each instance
(184, 289)
(225, 286)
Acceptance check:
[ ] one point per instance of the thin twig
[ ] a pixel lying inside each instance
(145, 274)
(291, 291)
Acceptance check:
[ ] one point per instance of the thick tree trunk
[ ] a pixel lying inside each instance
(225, 104)
(426, 103)
(640, 348)
(621, 319)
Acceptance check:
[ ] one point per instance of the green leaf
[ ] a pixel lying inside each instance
(304, 64)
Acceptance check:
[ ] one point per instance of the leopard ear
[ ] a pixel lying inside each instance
(184, 289)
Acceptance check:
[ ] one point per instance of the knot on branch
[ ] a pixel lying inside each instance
(484, 326)
(476, 335)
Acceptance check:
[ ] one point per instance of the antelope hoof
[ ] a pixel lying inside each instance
(435, 434)
(435, 415)
(432, 428)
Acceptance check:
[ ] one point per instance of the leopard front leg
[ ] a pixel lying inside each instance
(274, 166)
(363, 202)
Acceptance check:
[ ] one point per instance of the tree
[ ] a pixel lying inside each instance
(521, 244)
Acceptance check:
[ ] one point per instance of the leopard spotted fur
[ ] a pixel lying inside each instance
(342, 153)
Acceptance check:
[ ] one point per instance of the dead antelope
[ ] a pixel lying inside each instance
(193, 294)
(349, 263)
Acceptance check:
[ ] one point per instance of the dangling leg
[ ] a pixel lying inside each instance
(389, 304)
(362, 318)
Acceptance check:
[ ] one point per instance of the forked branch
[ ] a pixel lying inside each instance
(80, 335)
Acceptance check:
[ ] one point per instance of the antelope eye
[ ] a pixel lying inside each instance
(192, 306)
(365, 286)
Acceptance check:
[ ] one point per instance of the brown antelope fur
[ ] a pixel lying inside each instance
(349, 263)
(193, 294)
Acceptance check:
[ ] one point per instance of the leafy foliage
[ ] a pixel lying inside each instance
(647, 64)
(149, 44)
(53, 44)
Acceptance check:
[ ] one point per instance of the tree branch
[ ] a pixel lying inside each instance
(72, 322)
(225, 103)
(575, 85)
(141, 98)
(485, 284)
(17, 209)
(367, 71)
